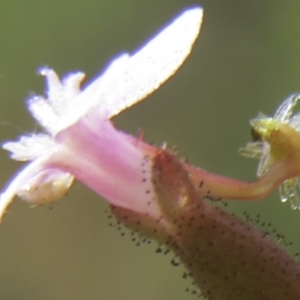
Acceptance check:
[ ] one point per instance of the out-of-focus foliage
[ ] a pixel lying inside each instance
(245, 61)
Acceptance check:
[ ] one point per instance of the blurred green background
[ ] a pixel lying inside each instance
(246, 60)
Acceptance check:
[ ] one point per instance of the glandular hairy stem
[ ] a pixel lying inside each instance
(227, 257)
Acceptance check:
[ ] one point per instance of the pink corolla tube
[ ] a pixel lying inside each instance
(149, 189)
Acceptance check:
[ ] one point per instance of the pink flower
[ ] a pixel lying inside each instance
(81, 142)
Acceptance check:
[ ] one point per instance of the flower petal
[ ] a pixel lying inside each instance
(33, 181)
(43, 112)
(285, 110)
(29, 147)
(129, 79)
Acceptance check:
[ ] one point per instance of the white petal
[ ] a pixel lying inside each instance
(54, 90)
(71, 83)
(60, 94)
(46, 187)
(285, 110)
(67, 95)
(30, 147)
(13, 188)
(295, 122)
(43, 112)
(129, 79)
(37, 183)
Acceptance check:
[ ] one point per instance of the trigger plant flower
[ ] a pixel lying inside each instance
(277, 139)
(79, 140)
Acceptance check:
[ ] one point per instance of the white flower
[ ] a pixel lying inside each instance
(80, 141)
(274, 139)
